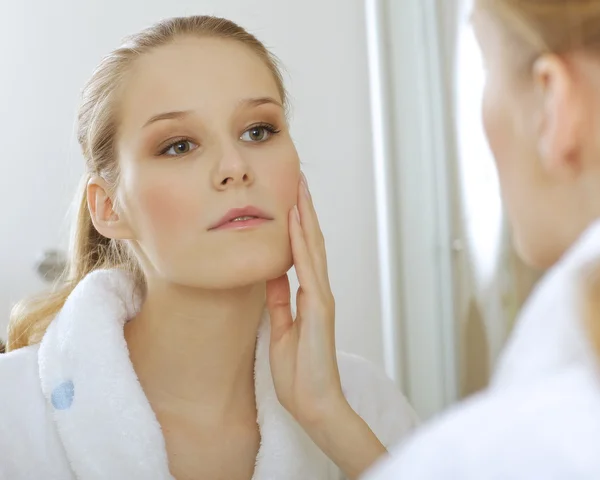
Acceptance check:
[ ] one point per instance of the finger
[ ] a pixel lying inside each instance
(312, 231)
(302, 260)
(279, 306)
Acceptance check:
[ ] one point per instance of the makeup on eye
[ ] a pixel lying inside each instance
(180, 146)
(259, 133)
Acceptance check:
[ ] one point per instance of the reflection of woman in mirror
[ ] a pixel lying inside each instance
(154, 357)
(541, 111)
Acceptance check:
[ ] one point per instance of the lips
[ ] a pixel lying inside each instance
(241, 215)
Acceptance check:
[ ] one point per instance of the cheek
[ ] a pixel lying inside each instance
(161, 209)
(286, 191)
(496, 124)
(282, 176)
(158, 205)
(489, 113)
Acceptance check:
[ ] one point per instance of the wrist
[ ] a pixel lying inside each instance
(347, 440)
(326, 416)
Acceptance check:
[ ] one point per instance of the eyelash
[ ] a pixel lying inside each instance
(271, 130)
(171, 144)
(267, 126)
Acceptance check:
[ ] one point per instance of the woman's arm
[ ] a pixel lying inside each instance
(303, 354)
(348, 441)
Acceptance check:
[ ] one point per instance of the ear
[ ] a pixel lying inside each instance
(562, 108)
(102, 210)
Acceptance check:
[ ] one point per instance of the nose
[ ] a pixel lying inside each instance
(232, 170)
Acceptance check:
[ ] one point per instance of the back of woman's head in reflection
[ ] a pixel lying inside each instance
(183, 122)
(541, 112)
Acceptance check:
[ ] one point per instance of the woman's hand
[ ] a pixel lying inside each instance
(303, 354)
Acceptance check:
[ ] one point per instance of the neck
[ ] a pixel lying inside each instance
(194, 349)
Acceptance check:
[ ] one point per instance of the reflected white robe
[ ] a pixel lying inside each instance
(73, 408)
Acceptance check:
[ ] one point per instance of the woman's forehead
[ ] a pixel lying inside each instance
(205, 75)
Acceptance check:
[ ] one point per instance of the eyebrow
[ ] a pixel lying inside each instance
(257, 102)
(250, 102)
(168, 116)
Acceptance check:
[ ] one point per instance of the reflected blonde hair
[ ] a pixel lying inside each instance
(554, 26)
(97, 129)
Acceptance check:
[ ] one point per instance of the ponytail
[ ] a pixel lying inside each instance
(89, 251)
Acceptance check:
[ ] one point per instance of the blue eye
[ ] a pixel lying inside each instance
(178, 148)
(259, 133)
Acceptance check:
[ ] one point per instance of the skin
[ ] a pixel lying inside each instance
(542, 127)
(192, 344)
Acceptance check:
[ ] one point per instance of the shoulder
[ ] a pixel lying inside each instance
(20, 385)
(550, 429)
(18, 363)
(21, 396)
(376, 398)
(19, 373)
(28, 440)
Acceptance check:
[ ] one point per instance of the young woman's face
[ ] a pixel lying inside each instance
(202, 131)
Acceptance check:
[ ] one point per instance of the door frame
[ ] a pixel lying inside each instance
(414, 165)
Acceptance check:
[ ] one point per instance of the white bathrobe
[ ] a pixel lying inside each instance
(73, 408)
(540, 419)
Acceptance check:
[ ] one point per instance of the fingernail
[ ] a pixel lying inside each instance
(297, 213)
(305, 185)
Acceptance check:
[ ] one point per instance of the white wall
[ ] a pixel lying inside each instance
(47, 51)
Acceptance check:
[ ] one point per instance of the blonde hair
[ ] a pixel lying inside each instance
(97, 128)
(547, 26)
(559, 27)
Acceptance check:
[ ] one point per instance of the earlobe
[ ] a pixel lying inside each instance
(104, 216)
(559, 132)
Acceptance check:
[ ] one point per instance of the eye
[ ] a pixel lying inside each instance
(259, 133)
(178, 148)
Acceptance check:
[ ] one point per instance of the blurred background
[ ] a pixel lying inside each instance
(385, 97)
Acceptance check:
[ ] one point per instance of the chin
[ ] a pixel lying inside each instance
(231, 270)
(251, 273)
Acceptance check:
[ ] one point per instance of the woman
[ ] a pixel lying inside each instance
(155, 358)
(541, 417)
